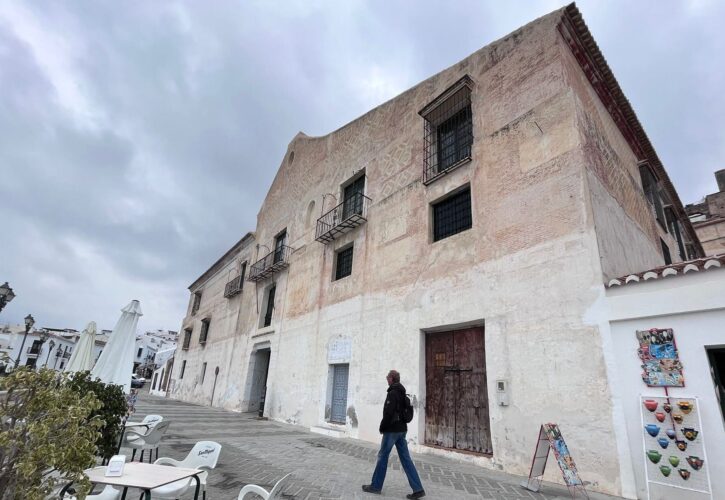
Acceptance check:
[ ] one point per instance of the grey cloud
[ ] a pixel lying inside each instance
(186, 111)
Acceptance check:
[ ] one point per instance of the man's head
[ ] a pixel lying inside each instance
(393, 377)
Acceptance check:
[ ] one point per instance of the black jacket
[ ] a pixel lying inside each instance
(393, 409)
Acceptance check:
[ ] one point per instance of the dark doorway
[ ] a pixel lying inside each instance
(260, 369)
(716, 357)
(456, 410)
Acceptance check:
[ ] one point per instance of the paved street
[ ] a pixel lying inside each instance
(260, 452)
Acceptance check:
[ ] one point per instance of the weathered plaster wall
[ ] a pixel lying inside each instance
(555, 199)
(627, 232)
(525, 269)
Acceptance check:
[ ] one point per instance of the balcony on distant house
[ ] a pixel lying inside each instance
(233, 287)
(343, 218)
(272, 263)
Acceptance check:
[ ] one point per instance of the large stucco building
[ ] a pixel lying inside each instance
(461, 233)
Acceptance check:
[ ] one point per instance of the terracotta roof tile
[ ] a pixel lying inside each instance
(679, 269)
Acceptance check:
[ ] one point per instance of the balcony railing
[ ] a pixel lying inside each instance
(233, 287)
(346, 216)
(272, 263)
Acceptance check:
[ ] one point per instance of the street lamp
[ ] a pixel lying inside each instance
(6, 294)
(51, 345)
(58, 354)
(29, 322)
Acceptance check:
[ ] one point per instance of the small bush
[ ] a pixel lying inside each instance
(113, 409)
(48, 434)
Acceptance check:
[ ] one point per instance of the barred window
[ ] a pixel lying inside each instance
(204, 330)
(452, 215)
(343, 266)
(187, 338)
(448, 130)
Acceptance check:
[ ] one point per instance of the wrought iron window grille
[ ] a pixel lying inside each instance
(448, 138)
(233, 287)
(349, 214)
(452, 215)
(343, 267)
(272, 263)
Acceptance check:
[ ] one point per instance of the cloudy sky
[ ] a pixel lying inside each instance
(138, 139)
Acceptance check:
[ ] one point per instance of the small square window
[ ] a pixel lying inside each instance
(452, 215)
(343, 265)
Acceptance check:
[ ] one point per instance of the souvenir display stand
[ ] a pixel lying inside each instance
(672, 438)
(550, 438)
(673, 443)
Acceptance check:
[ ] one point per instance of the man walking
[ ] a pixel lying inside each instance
(393, 428)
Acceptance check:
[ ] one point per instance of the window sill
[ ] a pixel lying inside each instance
(442, 173)
(264, 331)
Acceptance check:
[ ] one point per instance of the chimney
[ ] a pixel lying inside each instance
(720, 177)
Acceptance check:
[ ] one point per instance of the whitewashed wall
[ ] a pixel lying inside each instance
(693, 305)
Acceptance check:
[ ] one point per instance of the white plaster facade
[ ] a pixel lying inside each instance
(557, 209)
(693, 305)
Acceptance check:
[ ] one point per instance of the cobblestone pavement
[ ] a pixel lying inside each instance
(260, 452)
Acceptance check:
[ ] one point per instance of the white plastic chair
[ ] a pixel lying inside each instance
(152, 420)
(145, 440)
(204, 455)
(274, 494)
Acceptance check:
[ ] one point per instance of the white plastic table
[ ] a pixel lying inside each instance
(144, 477)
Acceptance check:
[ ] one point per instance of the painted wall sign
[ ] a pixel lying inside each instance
(661, 365)
(339, 351)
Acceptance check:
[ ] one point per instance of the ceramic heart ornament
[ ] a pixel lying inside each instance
(667, 407)
(674, 460)
(685, 406)
(665, 470)
(650, 404)
(663, 442)
(681, 444)
(671, 433)
(660, 416)
(695, 462)
(684, 474)
(652, 429)
(678, 417)
(654, 456)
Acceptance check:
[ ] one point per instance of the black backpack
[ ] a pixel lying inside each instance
(407, 414)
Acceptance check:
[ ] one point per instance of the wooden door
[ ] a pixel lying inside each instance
(456, 391)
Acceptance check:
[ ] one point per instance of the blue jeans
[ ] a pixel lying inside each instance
(386, 446)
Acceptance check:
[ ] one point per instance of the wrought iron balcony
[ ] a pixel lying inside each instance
(233, 287)
(274, 262)
(346, 216)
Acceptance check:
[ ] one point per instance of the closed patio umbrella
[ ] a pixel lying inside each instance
(82, 358)
(115, 365)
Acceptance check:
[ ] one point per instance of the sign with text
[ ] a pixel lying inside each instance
(339, 351)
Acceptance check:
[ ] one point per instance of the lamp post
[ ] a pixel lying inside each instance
(58, 354)
(6, 295)
(51, 345)
(29, 322)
